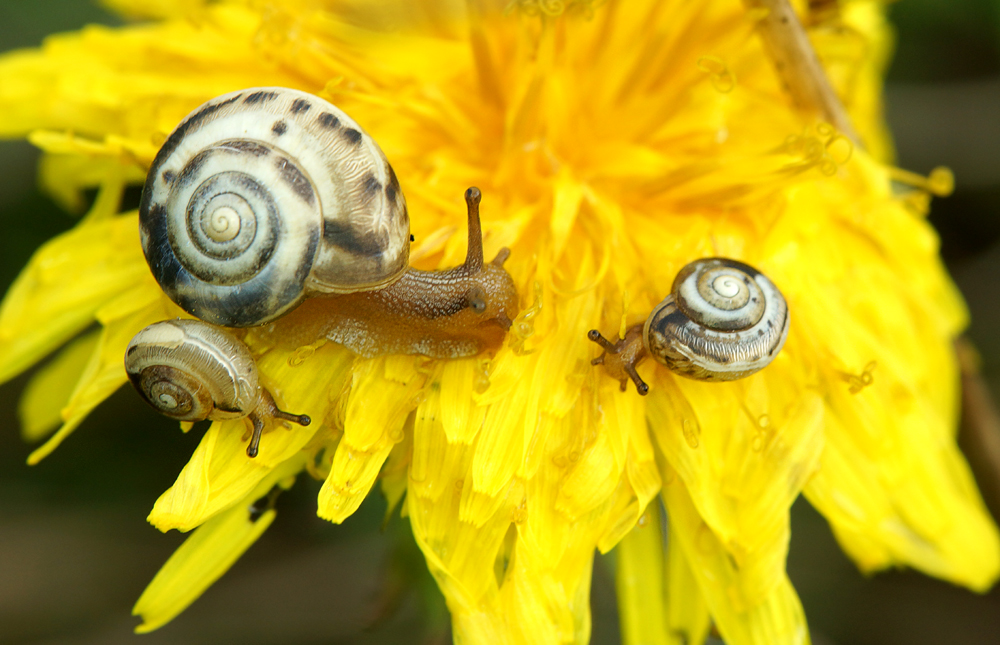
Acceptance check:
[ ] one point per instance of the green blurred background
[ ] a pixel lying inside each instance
(76, 552)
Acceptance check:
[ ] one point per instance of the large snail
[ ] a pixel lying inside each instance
(191, 371)
(722, 321)
(263, 198)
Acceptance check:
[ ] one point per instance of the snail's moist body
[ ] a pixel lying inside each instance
(424, 312)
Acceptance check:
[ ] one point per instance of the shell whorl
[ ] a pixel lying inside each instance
(189, 370)
(264, 196)
(722, 321)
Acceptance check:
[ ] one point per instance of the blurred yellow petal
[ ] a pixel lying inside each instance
(688, 614)
(105, 371)
(67, 280)
(49, 389)
(210, 551)
(658, 596)
(640, 581)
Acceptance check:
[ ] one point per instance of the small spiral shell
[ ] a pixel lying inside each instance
(263, 196)
(723, 320)
(190, 371)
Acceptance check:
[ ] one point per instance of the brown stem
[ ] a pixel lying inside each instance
(979, 433)
(795, 59)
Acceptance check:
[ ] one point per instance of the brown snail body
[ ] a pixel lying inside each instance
(452, 313)
(722, 321)
(270, 206)
(189, 370)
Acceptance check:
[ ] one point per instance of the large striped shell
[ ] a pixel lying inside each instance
(262, 197)
(190, 371)
(722, 321)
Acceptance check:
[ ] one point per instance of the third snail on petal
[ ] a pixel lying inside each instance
(722, 321)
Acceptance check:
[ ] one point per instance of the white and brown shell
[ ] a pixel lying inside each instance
(723, 320)
(264, 196)
(190, 371)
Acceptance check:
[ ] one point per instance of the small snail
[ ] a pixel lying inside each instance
(265, 197)
(190, 371)
(723, 320)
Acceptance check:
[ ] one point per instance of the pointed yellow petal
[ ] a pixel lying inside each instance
(210, 551)
(48, 391)
(383, 395)
(122, 318)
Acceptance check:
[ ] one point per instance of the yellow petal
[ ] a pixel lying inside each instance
(687, 611)
(383, 394)
(659, 601)
(49, 389)
(774, 618)
(122, 318)
(65, 283)
(913, 504)
(640, 578)
(744, 450)
(891, 481)
(219, 473)
(71, 165)
(459, 414)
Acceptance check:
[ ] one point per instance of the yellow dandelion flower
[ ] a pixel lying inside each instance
(614, 143)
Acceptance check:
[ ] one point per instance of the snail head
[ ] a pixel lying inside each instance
(485, 300)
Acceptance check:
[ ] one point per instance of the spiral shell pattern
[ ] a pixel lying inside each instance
(722, 321)
(262, 197)
(189, 371)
